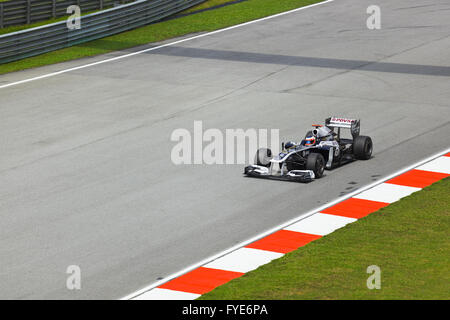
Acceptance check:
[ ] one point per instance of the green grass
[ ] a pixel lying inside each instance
(207, 4)
(204, 21)
(408, 240)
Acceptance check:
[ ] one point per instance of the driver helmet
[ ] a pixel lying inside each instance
(310, 141)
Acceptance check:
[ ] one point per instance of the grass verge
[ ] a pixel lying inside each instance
(408, 240)
(200, 22)
(208, 4)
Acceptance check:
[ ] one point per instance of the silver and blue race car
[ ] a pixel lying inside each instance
(322, 148)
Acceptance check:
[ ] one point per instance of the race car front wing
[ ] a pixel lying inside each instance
(293, 175)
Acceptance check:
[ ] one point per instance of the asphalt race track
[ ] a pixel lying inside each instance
(85, 171)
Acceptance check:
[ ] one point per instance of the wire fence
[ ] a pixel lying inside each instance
(19, 12)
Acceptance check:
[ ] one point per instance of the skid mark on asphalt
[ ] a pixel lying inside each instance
(300, 61)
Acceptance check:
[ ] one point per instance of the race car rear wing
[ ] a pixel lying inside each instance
(352, 124)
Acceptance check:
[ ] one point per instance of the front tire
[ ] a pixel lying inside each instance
(263, 157)
(316, 163)
(362, 147)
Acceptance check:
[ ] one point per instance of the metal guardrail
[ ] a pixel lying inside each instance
(35, 41)
(19, 12)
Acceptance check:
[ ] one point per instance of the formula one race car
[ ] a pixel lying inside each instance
(322, 148)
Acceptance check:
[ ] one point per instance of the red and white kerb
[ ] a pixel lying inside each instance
(201, 280)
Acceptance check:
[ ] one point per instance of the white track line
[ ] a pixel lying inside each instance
(282, 226)
(161, 46)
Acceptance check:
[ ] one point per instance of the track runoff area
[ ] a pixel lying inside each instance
(191, 283)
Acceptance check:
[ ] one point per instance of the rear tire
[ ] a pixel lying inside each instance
(362, 147)
(316, 163)
(263, 157)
